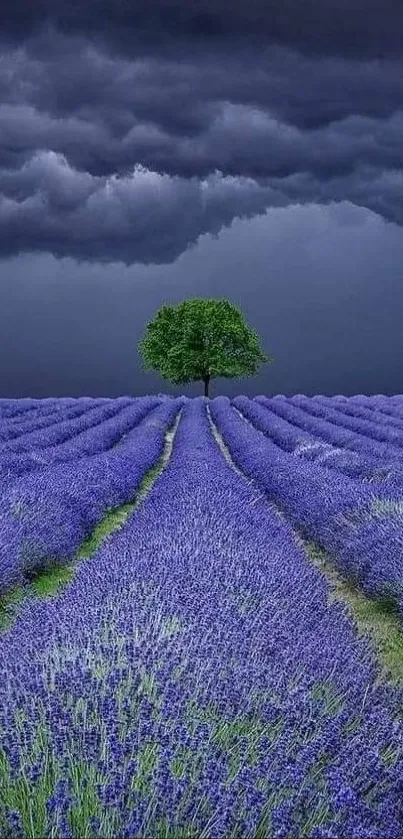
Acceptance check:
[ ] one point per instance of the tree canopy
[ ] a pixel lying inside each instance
(201, 339)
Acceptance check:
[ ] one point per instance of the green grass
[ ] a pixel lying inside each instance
(49, 580)
(116, 517)
(376, 618)
(9, 603)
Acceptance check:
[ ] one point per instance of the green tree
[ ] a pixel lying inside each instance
(198, 340)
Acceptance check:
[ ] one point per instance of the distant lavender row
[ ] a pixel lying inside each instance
(96, 431)
(63, 430)
(360, 527)
(22, 416)
(306, 445)
(384, 412)
(17, 408)
(32, 434)
(374, 433)
(314, 421)
(380, 433)
(9, 430)
(197, 674)
(10, 408)
(44, 517)
(105, 432)
(385, 405)
(380, 422)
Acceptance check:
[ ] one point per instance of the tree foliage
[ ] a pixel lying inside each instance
(198, 340)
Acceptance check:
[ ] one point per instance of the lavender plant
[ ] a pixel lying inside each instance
(54, 433)
(385, 435)
(194, 680)
(315, 419)
(95, 434)
(16, 409)
(286, 434)
(362, 408)
(44, 517)
(12, 429)
(360, 526)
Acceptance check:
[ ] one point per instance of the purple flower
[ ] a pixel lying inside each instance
(206, 682)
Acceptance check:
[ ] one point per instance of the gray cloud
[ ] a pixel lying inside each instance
(145, 217)
(342, 27)
(107, 155)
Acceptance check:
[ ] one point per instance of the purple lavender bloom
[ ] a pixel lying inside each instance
(45, 517)
(355, 523)
(285, 427)
(97, 431)
(14, 824)
(229, 694)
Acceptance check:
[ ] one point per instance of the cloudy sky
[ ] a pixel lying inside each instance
(165, 149)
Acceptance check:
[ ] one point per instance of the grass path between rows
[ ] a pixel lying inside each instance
(375, 618)
(50, 580)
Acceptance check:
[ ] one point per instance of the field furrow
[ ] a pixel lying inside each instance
(284, 431)
(361, 527)
(95, 435)
(203, 633)
(377, 619)
(365, 435)
(313, 420)
(45, 517)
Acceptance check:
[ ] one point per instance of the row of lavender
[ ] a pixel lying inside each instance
(13, 430)
(46, 427)
(98, 429)
(372, 408)
(378, 427)
(10, 408)
(45, 516)
(369, 407)
(193, 680)
(385, 433)
(61, 416)
(23, 411)
(360, 525)
(49, 429)
(54, 426)
(65, 489)
(298, 431)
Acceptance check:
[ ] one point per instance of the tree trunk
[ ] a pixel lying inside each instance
(206, 381)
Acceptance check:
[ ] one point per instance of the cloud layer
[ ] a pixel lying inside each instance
(338, 27)
(111, 150)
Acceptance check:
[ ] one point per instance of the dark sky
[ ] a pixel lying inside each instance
(165, 149)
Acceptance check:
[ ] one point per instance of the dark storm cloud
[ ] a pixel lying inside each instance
(147, 217)
(340, 27)
(184, 93)
(106, 155)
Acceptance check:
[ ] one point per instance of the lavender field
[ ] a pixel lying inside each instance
(201, 606)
